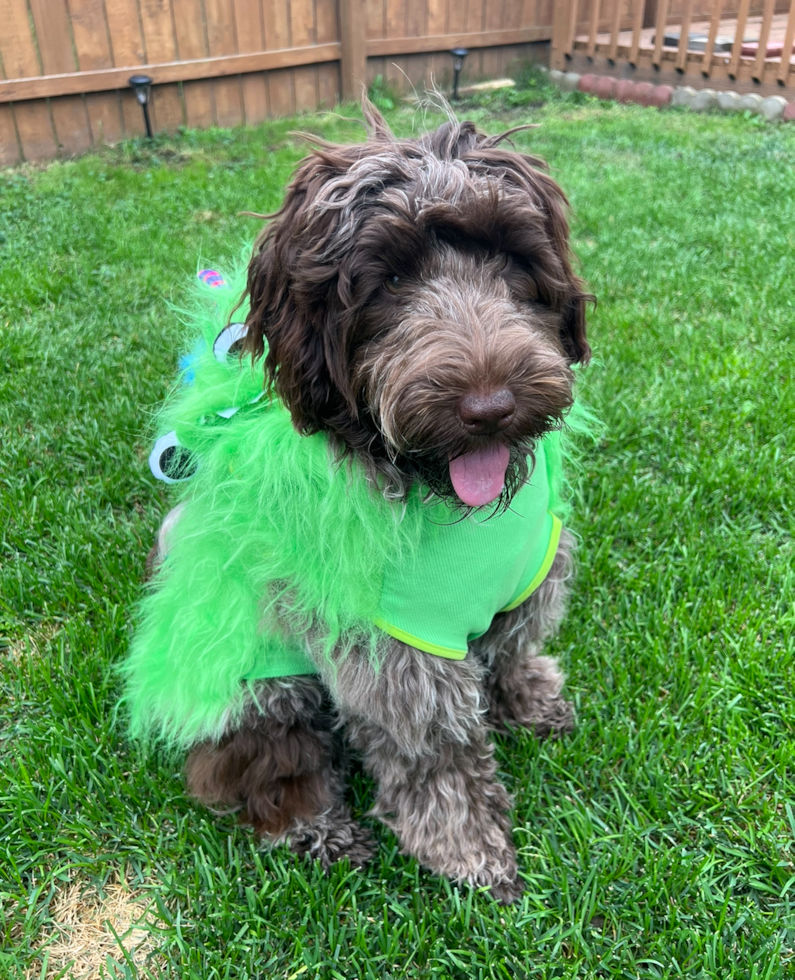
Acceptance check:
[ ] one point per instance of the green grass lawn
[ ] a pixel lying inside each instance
(657, 840)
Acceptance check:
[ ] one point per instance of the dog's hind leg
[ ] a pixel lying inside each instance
(418, 721)
(524, 689)
(282, 769)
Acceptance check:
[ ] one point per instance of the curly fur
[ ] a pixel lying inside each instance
(399, 278)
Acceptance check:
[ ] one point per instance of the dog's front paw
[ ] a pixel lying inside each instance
(507, 891)
(529, 696)
(332, 837)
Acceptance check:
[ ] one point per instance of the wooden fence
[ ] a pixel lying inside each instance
(65, 64)
(743, 45)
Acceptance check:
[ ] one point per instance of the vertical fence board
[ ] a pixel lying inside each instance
(395, 21)
(69, 116)
(168, 111)
(328, 86)
(416, 67)
(104, 117)
(248, 23)
(302, 32)
(51, 20)
(328, 76)
(161, 45)
(199, 104)
(10, 150)
(131, 114)
(474, 20)
(20, 60)
(277, 35)
(437, 17)
(221, 40)
(305, 85)
(512, 14)
(327, 21)
(35, 130)
(494, 59)
(545, 12)
(280, 90)
(353, 43)
(416, 18)
(91, 38)
(16, 42)
(72, 126)
(93, 50)
(376, 18)
(159, 37)
(191, 43)
(125, 33)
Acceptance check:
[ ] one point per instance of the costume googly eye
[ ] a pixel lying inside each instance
(171, 462)
(229, 341)
(227, 413)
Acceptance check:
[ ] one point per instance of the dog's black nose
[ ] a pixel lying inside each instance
(491, 412)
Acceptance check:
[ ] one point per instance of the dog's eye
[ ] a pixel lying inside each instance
(392, 284)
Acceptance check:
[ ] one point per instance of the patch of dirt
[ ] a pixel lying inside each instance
(81, 939)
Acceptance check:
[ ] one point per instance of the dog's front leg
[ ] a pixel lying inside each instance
(525, 688)
(281, 769)
(418, 721)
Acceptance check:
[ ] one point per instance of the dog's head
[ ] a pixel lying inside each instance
(416, 301)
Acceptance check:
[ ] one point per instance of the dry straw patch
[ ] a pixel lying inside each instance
(82, 941)
(35, 643)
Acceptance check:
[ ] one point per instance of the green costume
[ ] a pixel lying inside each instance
(271, 518)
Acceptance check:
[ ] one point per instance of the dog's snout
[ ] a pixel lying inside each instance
(485, 413)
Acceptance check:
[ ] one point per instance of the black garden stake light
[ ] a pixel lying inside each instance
(458, 63)
(142, 86)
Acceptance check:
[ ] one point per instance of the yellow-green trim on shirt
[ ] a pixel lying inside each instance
(541, 574)
(451, 654)
(419, 644)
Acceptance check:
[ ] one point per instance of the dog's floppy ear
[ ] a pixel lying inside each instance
(294, 316)
(573, 299)
(573, 335)
(526, 174)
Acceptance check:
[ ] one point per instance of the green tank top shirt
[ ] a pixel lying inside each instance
(464, 571)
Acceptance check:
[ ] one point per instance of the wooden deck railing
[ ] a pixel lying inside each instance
(733, 44)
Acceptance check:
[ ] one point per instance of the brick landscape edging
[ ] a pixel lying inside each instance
(772, 108)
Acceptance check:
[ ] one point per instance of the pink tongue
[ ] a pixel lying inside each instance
(478, 477)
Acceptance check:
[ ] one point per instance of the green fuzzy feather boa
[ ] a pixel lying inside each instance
(269, 515)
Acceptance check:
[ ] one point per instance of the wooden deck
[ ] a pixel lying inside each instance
(746, 48)
(726, 32)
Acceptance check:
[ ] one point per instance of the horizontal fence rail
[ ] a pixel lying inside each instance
(65, 64)
(746, 45)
